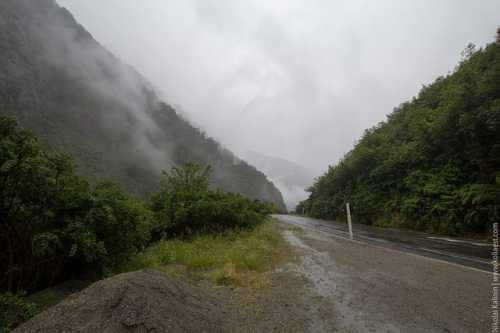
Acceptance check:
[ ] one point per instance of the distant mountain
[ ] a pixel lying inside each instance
(291, 179)
(61, 83)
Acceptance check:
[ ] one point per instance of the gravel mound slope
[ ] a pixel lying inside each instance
(142, 301)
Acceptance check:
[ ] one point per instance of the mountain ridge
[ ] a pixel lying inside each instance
(79, 98)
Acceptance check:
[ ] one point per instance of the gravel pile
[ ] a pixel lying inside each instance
(143, 301)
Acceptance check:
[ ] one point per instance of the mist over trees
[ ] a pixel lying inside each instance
(434, 164)
(58, 81)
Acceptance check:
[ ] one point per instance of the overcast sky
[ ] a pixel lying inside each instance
(298, 79)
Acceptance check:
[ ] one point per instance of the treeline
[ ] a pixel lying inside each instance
(433, 165)
(54, 225)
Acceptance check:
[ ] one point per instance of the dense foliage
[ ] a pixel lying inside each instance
(13, 311)
(433, 165)
(54, 225)
(184, 205)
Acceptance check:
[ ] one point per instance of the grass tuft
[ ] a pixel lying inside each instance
(236, 258)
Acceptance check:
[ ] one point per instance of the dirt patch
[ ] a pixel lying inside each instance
(143, 301)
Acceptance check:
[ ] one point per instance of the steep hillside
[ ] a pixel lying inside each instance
(434, 164)
(58, 81)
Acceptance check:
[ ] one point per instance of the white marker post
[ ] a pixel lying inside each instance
(349, 220)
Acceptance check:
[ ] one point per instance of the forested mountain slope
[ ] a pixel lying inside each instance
(61, 83)
(434, 164)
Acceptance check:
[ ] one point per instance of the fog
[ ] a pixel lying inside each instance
(295, 79)
(123, 88)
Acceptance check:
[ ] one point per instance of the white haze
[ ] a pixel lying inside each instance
(87, 63)
(296, 79)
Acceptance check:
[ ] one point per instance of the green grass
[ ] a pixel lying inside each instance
(236, 258)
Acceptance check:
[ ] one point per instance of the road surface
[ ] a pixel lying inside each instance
(390, 280)
(471, 253)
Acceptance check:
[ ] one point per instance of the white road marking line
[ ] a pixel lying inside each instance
(390, 249)
(459, 241)
(481, 261)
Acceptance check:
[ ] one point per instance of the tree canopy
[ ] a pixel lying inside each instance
(434, 164)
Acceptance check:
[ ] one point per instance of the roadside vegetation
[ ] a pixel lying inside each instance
(14, 310)
(433, 165)
(56, 226)
(235, 258)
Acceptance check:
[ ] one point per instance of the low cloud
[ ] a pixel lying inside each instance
(296, 79)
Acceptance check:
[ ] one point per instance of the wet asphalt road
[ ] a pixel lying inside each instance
(389, 281)
(470, 253)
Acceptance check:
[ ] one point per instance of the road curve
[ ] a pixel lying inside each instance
(384, 282)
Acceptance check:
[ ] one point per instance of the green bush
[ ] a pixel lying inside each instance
(53, 223)
(121, 222)
(185, 205)
(14, 310)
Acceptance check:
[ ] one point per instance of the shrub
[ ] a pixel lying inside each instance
(13, 311)
(185, 205)
(121, 222)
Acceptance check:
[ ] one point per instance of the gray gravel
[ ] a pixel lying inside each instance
(138, 302)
